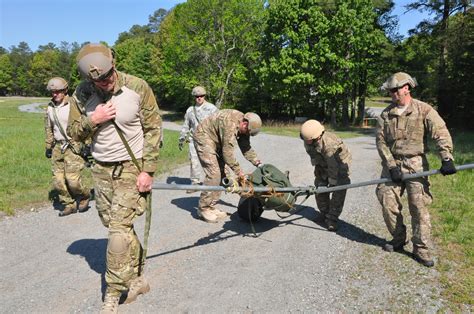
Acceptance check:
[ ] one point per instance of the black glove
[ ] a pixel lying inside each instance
(48, 152)
(447, 167)
(181, 143)
(86, 152)
(396, 174)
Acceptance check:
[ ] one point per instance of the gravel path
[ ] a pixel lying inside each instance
(52, 264)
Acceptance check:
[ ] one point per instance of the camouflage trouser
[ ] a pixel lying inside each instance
(118, 203)
(67, 180)
(419, 197)
(331, 204)
(195, 164)
(214, 171)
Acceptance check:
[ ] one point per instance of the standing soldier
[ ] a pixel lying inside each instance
(64, 152)
(331, 160)
(402, 132)
(119, 112)
(216, 138)
(194, 115)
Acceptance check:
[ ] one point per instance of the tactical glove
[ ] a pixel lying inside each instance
(48, 152)
(447, 167)
(181, 143)
(396, 174)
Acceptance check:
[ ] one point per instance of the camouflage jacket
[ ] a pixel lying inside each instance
(330, 156)
(146, 120)
(406, 135)
(194, 115)
(220, 132)
(52, 130)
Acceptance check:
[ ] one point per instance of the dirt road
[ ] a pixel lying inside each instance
(51, 264)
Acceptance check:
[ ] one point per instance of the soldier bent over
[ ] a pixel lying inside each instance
(65, 153)
(402, 132)
(331, 160)
(216, 139)
(109, 96)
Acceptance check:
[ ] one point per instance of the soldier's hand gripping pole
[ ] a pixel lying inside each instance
(308, 189)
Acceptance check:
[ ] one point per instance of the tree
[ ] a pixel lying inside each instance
(6, 75)
(44, 66)
(442, 9)
(317, 53)
(208, 42)
(20, 57)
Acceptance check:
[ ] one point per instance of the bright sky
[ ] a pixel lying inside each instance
(39, 22)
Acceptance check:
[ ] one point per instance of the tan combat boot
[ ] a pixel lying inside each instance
(207, 215)
(83, 205)
(138, 286)
(68, 210)
(110, 304)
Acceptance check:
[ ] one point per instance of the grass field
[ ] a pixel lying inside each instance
(25, 179)
(379, 102)
(453, 223)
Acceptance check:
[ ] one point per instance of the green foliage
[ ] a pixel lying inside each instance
(208, 43)
(316, 54)
(6, 74)
(453, 222)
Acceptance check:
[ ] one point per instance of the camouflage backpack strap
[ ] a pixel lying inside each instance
(196, 114)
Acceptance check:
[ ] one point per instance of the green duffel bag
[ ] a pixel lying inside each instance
(267, 176)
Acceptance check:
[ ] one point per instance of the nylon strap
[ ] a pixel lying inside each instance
(148, 197)
(60, 127)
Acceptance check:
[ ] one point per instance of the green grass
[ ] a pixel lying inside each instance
(380, 102)
(293, 130)
(453, 223)
(26, 174)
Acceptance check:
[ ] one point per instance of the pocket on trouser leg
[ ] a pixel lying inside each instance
(134, 201)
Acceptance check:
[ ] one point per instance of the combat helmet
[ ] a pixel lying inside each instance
(311, 130)
(398, 80)
(255, 123)
(95, 61)
(198, 91)
(56, 83)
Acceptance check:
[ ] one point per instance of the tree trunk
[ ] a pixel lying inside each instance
(443, 97)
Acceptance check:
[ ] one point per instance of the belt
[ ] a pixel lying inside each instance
(111, 163)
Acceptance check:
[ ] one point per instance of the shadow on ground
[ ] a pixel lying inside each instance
(93, 251)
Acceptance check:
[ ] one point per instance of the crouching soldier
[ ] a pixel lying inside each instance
(331, 160)
(216, 139)
(66, 161)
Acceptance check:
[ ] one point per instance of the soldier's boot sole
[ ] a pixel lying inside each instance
(137, 288)
(208, 216)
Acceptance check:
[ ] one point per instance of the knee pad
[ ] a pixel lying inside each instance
(118, 255)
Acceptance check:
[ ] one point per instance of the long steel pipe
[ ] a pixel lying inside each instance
(310, 189)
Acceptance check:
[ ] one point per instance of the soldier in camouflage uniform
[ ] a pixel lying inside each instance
(216, 139)
(64, 152)
(194, 115)
(107, 96)
(331, 160)
(402, 132)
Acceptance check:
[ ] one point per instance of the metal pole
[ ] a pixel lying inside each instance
(309, 189)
